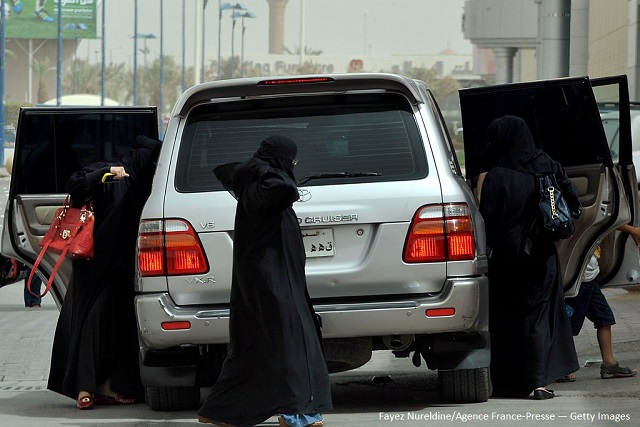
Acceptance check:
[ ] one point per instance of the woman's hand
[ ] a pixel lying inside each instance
(118, 172)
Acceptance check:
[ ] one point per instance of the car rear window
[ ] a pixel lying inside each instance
(371, 134)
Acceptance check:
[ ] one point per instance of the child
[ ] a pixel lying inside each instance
(592, 304)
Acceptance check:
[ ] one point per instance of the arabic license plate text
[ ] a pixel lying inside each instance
(318, 242)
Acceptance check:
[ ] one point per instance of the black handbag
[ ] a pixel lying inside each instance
(555, 216)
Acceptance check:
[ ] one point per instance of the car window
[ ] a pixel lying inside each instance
(370, 137)
(53, 145)
(562, 115)
(607, 93)
(611, 125)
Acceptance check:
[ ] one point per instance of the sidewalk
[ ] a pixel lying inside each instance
(27, 337)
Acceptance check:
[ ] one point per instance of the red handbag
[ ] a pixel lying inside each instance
(70, 235)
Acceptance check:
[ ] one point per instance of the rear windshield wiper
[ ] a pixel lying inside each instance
(308, 178)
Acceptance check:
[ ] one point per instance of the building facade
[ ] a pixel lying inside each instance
(533, 39)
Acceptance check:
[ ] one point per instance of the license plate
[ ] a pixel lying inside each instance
(318, 242)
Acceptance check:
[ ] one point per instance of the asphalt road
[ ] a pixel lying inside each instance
(386, 391)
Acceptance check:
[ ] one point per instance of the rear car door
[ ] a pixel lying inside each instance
(620, 260)
(565, 122)
(51, 144)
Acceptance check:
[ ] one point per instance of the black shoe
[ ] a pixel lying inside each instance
(543, 394)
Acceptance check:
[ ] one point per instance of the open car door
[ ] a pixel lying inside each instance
(620, 259)
(565, 122)
(51, 144)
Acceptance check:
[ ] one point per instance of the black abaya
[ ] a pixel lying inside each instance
(96, 335)
(531, 341)
(275, 364)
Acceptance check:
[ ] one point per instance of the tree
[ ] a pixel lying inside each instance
(83, 78)
(172, 83)
(42, 68)
(441, 87)
(307, 51)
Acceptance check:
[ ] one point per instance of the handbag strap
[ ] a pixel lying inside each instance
(51, 276)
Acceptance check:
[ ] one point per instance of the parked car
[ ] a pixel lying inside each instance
(565, 121)
(396, 257)
(394, 242)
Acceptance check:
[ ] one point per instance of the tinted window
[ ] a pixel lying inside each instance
(348, 133)
(54, 144)
(563, 118)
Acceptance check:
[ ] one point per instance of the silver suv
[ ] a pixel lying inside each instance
(395, 245)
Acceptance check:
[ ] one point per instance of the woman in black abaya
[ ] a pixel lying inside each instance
(531, 341)
(95, 348)
(275, 364)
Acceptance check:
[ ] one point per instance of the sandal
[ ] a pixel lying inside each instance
(84, 402)
(543, 394)
(103, 399)
(616, 371)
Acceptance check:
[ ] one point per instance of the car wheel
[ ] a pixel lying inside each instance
(172, 398)
(464, 385)
(344, 354)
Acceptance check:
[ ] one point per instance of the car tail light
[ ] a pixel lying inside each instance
(295, 80)
(169, 247)
(440, 233)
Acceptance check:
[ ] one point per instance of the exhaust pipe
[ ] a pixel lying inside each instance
(397, 342)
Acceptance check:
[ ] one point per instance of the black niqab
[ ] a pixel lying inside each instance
(96, 335)
(275, 363)
(511, 145)
(279, 151)
(531, 340)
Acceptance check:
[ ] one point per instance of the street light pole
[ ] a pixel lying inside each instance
(219, 34)
(2, 78)
(59, 59)
(184, 45)
(202, 71)
(221, 7)
(242, 15)
(234, 15)
(161, 124)
(103, 66)
(233, 32)
(135, 52)
(144, 51)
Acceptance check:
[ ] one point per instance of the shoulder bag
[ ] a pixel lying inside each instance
(70, 235)
(554, 212)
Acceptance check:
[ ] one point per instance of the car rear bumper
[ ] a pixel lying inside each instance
(467, 297)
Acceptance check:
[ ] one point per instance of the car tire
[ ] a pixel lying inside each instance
(464, 385)
(344, 354)
(172, 398)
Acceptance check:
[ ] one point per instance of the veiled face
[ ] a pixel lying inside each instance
(279, 151)
(509, 136)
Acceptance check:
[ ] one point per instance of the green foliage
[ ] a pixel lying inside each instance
(11, 113)
(307, 51)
